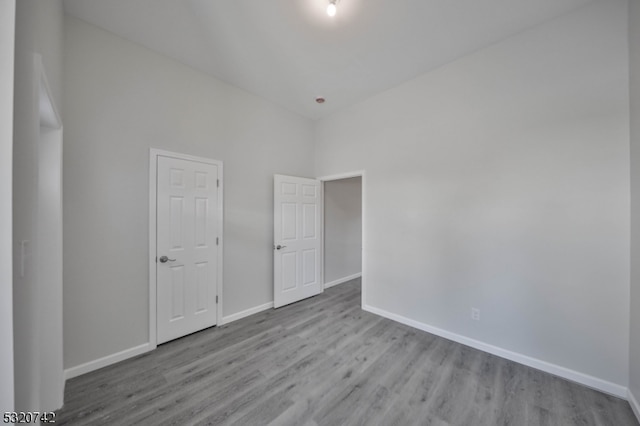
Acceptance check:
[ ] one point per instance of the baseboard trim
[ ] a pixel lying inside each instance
(634, 404)
(99, 363)
(556, 370)
(105, 361)
(342, 280)
(246, 313)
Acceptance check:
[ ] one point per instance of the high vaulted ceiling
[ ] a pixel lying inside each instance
(290, 51)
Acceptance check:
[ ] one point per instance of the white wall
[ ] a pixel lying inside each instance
(120, 100)
(501, 181)
(634, 43)
(7, 41)
(38, 31)
(342, 228)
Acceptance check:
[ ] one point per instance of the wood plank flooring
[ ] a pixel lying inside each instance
(324, 361)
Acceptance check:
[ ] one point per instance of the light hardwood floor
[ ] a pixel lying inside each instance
(324, 361)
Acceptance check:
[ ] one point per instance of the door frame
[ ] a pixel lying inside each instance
(153, 187)
(50, 241)
(358, 173)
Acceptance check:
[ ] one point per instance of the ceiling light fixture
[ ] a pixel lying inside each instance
(331, 8)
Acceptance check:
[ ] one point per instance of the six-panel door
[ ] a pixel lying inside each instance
(187, 200)
(297, 241)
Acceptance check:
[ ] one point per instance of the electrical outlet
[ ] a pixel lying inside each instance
(475, 314)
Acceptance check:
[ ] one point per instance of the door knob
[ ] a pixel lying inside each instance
(165, 259)
(278, 247)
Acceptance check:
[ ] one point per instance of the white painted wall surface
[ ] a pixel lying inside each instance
(38, 31)
(342, 228)
(634, 62)
(120, 100)
(501, 181)
(7, 41)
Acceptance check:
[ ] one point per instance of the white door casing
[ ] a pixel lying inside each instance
(361, 174)
(49, 246)
(297, 239)
(188, 233)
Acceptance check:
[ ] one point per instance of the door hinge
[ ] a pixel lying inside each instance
(217, 241)
(216, 299)
(218, 183)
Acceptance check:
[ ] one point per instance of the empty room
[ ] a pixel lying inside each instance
(320, 212)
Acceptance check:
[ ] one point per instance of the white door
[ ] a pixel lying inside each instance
(297, 245)
(187, 247)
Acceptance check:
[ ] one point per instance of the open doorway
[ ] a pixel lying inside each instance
(343, 228)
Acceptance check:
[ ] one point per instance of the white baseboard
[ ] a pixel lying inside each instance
(87, 367)
(556, 370)
(137, 350)
(246, 313)
(342, 280)
(634, 404)
(269, 305)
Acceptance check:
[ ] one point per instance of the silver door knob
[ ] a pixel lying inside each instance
(165, 259)
(278, 247)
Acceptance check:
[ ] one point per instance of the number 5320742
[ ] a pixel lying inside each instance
(29, 417)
